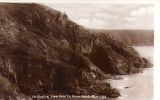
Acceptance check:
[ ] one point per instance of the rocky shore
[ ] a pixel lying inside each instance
(43, 52)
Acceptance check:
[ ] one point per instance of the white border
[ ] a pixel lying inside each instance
(157, 51)
(86, 1)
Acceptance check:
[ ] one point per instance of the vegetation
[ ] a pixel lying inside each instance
(131, 37)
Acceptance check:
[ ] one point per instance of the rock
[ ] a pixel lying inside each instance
(116, 59)
(10, 91)
(126, 87)
(117, 78)
(112, 93)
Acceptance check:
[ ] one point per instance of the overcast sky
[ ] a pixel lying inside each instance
(109, 16)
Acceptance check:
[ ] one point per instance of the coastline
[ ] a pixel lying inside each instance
(127, 85)
(144, 73)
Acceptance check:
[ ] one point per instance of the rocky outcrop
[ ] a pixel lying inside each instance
(116, 57)
(43, 52)
(10, 91)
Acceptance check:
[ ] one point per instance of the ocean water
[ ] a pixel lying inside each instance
(146, 51)
(141, 84)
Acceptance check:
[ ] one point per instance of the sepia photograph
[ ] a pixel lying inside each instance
(76, 51)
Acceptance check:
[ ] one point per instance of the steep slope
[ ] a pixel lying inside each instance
(116, 57)
(43, 52)
(132, 37)
(10, 90)
(40, 54)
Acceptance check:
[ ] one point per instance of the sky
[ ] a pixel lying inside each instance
(108, 16)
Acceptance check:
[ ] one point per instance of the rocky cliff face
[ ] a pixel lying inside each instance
(116, 57)
(43, 52)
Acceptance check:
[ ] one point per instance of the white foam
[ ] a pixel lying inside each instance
(125, 78)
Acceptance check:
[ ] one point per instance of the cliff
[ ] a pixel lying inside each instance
(131, 37)
(43, 52)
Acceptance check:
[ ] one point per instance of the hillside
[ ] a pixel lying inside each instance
(131, 37)
(43, 52)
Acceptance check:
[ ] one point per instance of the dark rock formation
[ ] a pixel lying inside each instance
(43, 52)
(10, 91)
(116, 57)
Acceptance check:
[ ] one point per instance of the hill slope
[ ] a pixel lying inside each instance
(131, 37)
(43, 52)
